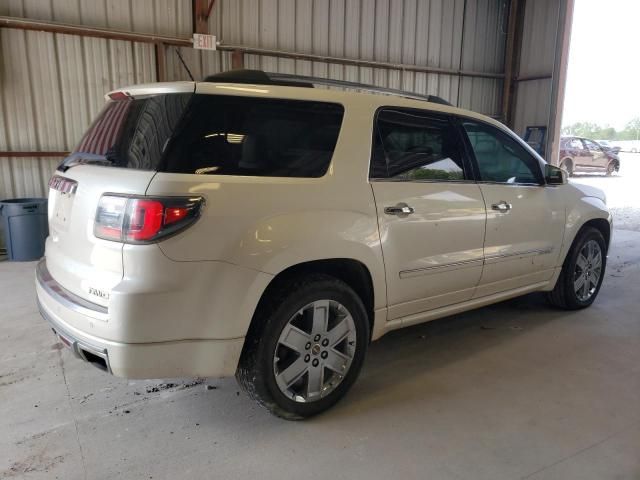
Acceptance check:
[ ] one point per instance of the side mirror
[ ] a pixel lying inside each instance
(554, 175)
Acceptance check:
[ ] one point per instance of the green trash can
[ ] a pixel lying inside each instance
(25, 226)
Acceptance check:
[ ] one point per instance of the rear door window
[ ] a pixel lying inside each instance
(575, 144)
(226, 135)
(412, 145)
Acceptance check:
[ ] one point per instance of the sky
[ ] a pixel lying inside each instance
(603, 78)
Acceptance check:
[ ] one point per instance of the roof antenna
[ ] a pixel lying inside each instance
(184, 64)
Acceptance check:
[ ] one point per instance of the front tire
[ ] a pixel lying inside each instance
(582, 272)
(611, 168)
(305, 348)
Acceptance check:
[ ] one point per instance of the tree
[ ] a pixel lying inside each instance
(589, 130)
(634, 127)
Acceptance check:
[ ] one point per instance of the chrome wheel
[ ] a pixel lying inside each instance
(314, 351)
(586, 275)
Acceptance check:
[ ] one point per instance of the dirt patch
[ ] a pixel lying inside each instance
(85, 398)
(174, 386)
(31, 438)
(14, 377)
(33, 463)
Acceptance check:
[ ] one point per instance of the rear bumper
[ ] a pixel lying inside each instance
(94, 353)
(166, 359)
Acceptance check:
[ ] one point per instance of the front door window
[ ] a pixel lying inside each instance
(500, 158)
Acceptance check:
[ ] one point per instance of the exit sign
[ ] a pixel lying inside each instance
(204, 42)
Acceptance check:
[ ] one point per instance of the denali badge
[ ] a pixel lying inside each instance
(98, 293)
(62, 184)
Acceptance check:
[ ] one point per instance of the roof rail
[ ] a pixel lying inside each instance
(290, 80)
(259, 77)
(360, 86)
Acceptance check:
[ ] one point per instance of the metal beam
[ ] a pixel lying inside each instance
(513, 50)
(559, 82)
(161, 62)
(237, 60)
(201, 10)
(529, 78)
(25, 24)
(359, 63)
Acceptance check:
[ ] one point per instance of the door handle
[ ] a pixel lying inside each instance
(502, 206)
(400, 209)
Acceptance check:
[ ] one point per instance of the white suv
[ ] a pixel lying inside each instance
(272, 231)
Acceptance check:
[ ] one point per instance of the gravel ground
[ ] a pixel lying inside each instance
(621, 189)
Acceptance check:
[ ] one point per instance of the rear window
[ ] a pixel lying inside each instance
(131, 133)
(213, 134)
(226, 135)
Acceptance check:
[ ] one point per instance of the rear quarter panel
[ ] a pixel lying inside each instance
(269, 224)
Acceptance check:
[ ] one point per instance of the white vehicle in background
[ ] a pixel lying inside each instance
(632, 146)
(244, 226)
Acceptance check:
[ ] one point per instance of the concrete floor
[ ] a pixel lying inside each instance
(517, 390)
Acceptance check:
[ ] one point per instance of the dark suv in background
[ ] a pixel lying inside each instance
(583, 155)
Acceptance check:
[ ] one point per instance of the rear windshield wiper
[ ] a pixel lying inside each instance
(82, 158)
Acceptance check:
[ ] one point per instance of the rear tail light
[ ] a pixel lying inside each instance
(144, 219)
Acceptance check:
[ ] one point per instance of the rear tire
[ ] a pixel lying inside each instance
(289, 365)
(582, 272)
(567, 165)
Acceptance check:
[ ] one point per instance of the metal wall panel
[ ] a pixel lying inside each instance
(533, 97)
(439, 33)
(200, 62)
(167, 17)
(53, 84)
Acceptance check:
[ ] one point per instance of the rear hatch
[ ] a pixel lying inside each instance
(119, 154)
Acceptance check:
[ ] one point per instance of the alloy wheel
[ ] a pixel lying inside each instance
(588, 269)
(314, 351)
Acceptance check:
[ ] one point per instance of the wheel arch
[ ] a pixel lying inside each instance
(352, 272)
(558, 295)
(599, 224)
